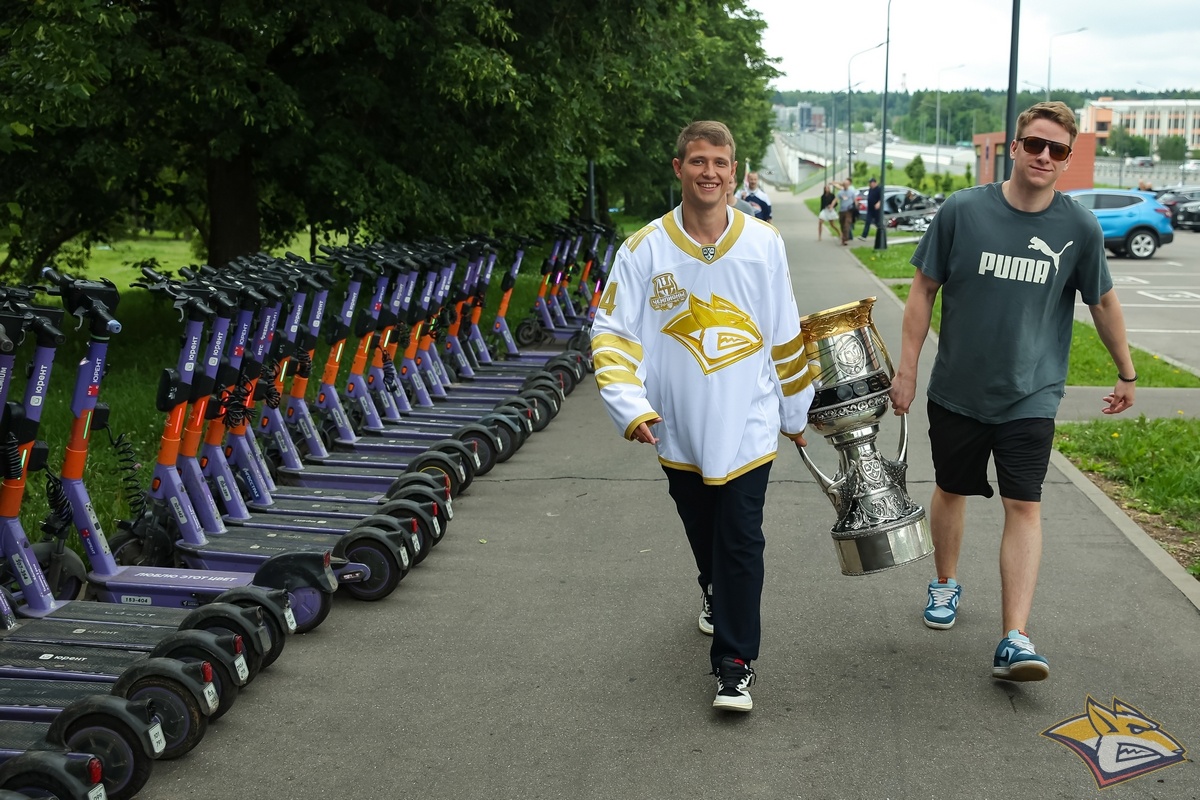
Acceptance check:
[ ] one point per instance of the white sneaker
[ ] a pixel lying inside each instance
(706, 621)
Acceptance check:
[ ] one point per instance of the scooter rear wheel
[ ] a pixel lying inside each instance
(183, 723)
(385, 570)
(223, 680)
(126, 765)
(311, 606)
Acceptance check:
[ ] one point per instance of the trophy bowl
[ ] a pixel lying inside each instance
(879, 526)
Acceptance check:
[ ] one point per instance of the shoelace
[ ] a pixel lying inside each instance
(942, 595)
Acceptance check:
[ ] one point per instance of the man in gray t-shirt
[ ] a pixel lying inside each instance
(847, 198)
(1008, 259)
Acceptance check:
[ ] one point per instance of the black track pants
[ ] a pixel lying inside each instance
(724, 527)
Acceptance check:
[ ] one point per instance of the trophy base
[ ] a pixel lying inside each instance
(874, 550)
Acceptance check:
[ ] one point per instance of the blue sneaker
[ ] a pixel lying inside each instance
(1016, 660)
(942, 608)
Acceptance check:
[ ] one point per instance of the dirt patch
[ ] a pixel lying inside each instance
(1183, 546)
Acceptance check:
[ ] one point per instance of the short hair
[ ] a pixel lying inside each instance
(715, 133)
(1053, 110)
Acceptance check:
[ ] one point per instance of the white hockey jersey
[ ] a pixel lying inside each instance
(707, 337)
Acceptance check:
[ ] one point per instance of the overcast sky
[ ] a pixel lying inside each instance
(1126, 44)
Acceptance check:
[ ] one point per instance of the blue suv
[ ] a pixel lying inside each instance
(1135, 224)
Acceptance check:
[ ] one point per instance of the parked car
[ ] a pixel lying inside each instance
(1187, 216)
(1134, 223)
(1139, 161)
(1177, 196)
(1191, 165)
(893, 199)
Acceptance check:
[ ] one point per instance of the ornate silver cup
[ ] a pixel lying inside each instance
(878, 525)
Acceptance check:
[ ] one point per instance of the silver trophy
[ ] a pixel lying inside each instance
(878, 525)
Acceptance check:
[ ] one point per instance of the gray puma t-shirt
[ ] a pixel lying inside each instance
(1009, 280)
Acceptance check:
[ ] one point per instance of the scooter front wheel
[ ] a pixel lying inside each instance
(311, 606)
(183, 723)
(527, 333)
(126, 765)
(385, 570)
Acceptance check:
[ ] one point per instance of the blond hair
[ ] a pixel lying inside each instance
(1053, 110)
(715, 133)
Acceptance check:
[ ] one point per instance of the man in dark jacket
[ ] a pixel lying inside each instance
(874, 206)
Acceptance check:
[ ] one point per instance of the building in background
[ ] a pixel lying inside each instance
(1150, 119)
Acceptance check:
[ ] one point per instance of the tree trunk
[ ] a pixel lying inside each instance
(232, 209)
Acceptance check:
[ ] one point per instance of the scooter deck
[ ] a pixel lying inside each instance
(27, 696)
(314, 530)
(324, 506)
(92, 634)
(64, 661)
(358, 497)
(23, 735)
(115, 613)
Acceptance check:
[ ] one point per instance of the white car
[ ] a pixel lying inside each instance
(1191, 165)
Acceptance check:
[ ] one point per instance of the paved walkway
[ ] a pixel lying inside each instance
(548, 647)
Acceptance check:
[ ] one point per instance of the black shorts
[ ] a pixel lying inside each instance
(961, 447)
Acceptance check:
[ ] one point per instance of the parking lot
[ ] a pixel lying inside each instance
(1161, 299)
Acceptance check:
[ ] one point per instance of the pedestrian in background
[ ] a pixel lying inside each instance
(847, 199)
(827, 214)
(732, 199)
(698, 351)
(1008, 259)
(757, 196)
(874, 207)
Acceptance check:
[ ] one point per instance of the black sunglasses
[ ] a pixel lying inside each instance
(1034, 145)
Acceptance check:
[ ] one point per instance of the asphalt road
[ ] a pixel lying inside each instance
(1161, 299)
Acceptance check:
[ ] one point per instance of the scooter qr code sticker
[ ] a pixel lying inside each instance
(97, 792)
(211, 697)
(243, 671)
(290, 618)
(158, 742)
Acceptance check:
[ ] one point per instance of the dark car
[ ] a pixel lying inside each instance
(1177, 196)
(894, 201)
(1187, 216)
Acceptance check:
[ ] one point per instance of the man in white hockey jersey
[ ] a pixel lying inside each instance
(698, 351)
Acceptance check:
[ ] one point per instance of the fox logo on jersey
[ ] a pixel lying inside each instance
(717, 334)
(1118, 743)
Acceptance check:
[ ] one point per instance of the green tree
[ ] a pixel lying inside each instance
(1122, 143)
(253, 120)
(1172, 148)
(915, 170)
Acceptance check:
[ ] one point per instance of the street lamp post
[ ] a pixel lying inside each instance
(937, 134)
(850, 111)
(881, 228)
(1049, 54)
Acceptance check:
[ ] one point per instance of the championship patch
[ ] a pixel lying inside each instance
(667, 293)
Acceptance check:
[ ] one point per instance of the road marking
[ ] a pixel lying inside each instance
(1156, 330)
(1170, 297)
(1128, 279)
(1146, 305)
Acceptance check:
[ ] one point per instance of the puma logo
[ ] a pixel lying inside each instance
(1037, 244)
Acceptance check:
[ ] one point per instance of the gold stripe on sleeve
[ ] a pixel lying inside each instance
(782, 352)
(608, 376)
(612, 358)
(788, 369)
(626, 346)
(797, 384)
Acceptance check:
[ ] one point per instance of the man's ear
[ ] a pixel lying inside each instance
(675, 164)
